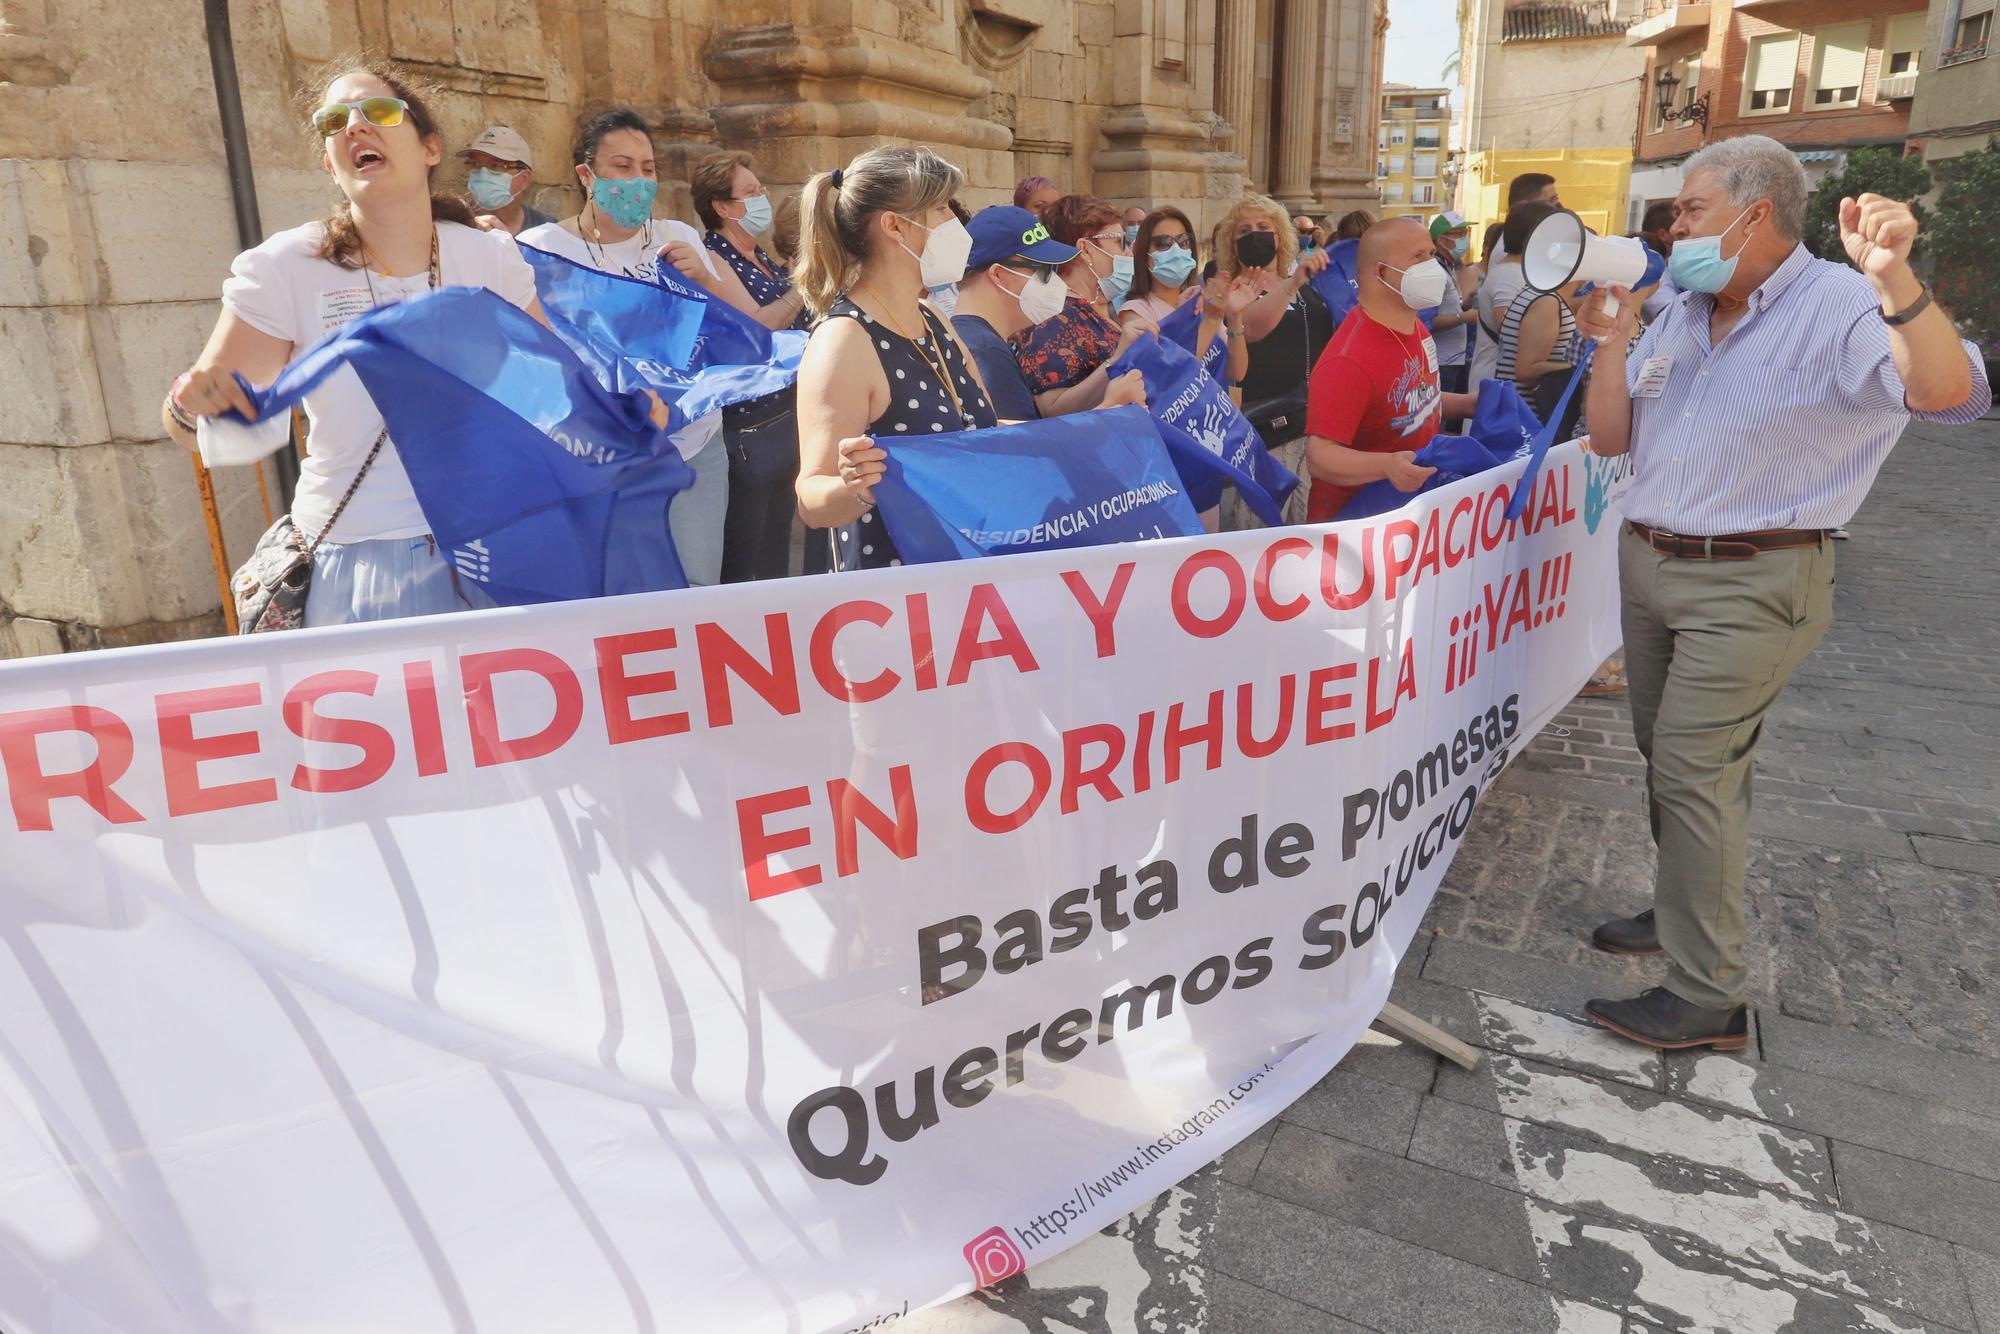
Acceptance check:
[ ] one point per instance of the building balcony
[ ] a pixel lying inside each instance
(1662, 21)
(1895, 88)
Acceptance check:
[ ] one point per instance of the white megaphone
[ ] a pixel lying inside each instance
(1561, 250)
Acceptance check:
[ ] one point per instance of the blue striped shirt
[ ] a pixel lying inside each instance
(1787, 421)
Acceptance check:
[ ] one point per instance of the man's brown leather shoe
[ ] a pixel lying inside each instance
(1628, 935)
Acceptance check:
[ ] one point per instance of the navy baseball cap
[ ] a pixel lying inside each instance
(1001, 232)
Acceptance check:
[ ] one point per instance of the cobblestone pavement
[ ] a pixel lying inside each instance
(1843, 1174)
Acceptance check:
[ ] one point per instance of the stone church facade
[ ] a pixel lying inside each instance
(116, 222)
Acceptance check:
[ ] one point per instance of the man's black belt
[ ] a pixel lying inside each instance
(1727, 546)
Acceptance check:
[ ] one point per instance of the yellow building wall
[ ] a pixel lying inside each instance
(1591, 181)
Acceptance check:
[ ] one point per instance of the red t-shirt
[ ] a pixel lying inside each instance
(1374, 389)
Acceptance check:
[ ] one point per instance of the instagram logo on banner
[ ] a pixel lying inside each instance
(993, 1256)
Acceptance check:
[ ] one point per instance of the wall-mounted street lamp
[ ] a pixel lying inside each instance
(1667, 85)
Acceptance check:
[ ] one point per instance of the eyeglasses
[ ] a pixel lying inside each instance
(383, 112)
(1109, 240)
(1162, 244)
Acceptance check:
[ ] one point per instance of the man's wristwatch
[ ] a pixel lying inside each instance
(1910, 312)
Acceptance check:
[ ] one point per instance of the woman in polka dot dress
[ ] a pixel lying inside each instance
(881, 366)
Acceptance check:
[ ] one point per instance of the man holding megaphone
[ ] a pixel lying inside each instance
(1757, 410)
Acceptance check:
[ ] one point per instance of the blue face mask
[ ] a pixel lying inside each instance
(490, 188)
(628, 202)
(1119, 281)
(1173, 267)
(1131, 233)
(757, 215)
(1697, 264)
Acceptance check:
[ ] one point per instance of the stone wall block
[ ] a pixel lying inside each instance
(1128, 17)
(66, 537)
(169, 531)
(163, 232)
(49, 391)
(140, 349)
(41, 261)
(1094, 23)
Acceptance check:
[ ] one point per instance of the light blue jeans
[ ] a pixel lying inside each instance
(383, 580)
(697, 516)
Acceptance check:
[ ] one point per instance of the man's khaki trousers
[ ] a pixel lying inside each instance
(1709, 644)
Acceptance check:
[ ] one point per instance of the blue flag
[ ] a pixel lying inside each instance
(1183, 326)
(1338, 284)
(1503, 421)
(1539, 449)
(1212, 444)
(1087, 479)
(541, 484)
(1454, 456)
(696, 353)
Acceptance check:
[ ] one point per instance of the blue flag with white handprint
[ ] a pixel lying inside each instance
(540, 483)
(1086, 479)
(1212, 443)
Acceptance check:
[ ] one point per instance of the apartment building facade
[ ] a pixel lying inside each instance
(1956, 108)
(1823, 77)
(1411, 150)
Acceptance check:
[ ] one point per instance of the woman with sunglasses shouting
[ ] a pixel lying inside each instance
(388, 239)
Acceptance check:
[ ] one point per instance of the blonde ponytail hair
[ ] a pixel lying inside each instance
(837, 207)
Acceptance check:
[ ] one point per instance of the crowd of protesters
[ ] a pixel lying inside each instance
(922, 317)
(927, 318)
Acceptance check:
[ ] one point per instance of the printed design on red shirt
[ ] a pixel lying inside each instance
(1413, 399)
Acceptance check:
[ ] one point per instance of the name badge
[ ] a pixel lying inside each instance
(1653, 377)
(338, 305)
(1430, 355)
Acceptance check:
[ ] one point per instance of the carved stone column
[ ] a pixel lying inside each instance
(1236, 72)
(1298, 107)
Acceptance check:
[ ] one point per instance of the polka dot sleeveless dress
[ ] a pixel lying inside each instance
(919, 404)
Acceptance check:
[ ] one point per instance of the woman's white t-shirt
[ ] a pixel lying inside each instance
(283, 288)
(637, 256)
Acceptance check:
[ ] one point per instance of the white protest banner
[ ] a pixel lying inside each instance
(783, 956)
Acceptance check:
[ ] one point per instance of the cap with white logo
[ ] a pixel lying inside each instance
(500, 142)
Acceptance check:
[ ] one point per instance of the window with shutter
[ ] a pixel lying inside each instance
(1901, 45)
(1772, 69)
(1840, 53)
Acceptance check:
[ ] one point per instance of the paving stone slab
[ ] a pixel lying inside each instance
(1240, 1163)
(1906, 1124)
(1545, 984)
(1358, 1109)
(1359, 1275)
(1646, 1122)
(1971, 1084)
(1982, 1287)
(1426, 1206)
(1688, 1290)
(1918, 1196)
(1236, 1307)
(1794, 1237)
